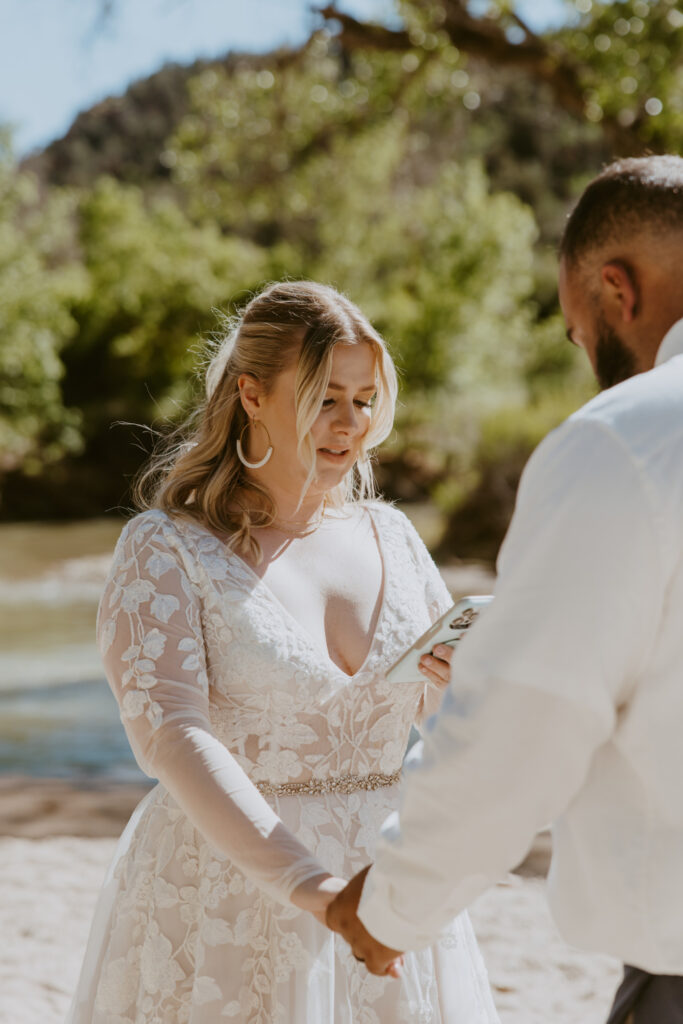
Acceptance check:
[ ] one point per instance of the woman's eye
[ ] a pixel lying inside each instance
(329, 402)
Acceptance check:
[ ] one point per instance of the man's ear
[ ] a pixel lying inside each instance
(251, 394)
(619, 290)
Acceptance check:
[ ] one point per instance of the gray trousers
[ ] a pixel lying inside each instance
(644, 998)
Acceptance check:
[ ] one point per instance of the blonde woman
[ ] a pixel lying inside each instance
(249, 617)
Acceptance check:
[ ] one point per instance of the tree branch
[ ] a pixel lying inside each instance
(530, 34)
(485, 38)
(364, 35)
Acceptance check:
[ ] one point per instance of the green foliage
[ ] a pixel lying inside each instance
(40, 279)
(102, 296)
(154, 278)
(615, 64)
(429, 184)
(477, 495)
(631, 59)
(255, 141)
(439, 264)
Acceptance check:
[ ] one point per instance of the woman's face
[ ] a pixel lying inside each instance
(337, 432)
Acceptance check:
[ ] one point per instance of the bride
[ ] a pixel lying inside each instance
(249, 618)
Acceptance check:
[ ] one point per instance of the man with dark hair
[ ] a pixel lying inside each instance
(633, 209)
(566, 699)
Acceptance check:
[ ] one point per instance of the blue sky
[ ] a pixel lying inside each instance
(56, 61)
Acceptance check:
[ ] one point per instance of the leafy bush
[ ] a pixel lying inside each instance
(40, 279)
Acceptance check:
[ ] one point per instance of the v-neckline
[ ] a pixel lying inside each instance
(270, 593)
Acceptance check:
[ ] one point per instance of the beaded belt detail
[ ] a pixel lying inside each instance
(338, 784)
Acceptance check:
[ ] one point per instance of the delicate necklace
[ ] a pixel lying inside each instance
(298, 528)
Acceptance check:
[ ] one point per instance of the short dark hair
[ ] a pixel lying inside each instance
(629, 196)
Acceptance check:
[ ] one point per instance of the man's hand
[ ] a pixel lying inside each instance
(342, 917)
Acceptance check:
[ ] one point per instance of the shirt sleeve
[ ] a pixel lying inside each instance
(151, 641)
(536, 686)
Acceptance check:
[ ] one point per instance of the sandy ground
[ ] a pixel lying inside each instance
(49, 883)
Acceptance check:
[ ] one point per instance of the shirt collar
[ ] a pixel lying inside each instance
(671, 345)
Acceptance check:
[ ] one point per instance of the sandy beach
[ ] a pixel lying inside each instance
(56, 841)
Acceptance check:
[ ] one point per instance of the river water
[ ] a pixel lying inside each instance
(57, 715)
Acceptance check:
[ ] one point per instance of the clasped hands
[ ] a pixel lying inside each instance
(342, 917)
(334, 902)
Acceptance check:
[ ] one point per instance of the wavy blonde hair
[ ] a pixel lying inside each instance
(199, 474)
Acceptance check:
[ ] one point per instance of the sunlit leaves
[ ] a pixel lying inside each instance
(615, 64)
(40, 278)
(630, 55)
(154, 278)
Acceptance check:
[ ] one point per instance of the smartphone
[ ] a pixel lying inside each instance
(449, 629)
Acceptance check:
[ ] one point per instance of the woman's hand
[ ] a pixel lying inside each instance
(316, 893)
(437, 665)
(342, 917)
(326, 893)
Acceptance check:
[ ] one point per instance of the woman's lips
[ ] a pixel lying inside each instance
(333, 455)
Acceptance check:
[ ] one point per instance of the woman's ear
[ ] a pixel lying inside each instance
(619, 291)
(251, 394)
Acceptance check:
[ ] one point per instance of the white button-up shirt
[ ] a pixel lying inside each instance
(566, 699)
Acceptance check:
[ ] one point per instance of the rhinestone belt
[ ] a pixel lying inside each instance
(338, 784)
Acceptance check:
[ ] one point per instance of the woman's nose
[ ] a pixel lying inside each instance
(347, 418)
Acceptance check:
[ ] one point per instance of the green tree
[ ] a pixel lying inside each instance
(154, 278)
(380, 160)
(619, 65)
(105, 295)
(40, 279)
(420, 243)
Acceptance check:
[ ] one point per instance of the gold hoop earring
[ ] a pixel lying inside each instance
(240, 451)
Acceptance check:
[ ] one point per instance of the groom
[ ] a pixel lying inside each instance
(566, 700)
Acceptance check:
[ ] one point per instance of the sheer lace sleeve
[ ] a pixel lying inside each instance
(150, 637)
(438, 600)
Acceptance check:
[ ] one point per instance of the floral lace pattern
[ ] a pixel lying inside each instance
(191, 936)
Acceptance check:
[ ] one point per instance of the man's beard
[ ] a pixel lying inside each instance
(614, 362)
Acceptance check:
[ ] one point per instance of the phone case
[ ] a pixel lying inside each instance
(449, 629)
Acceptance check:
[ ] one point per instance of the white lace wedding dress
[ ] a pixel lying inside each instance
(222, 691)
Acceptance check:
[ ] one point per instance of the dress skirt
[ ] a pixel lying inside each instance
(181, 936)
